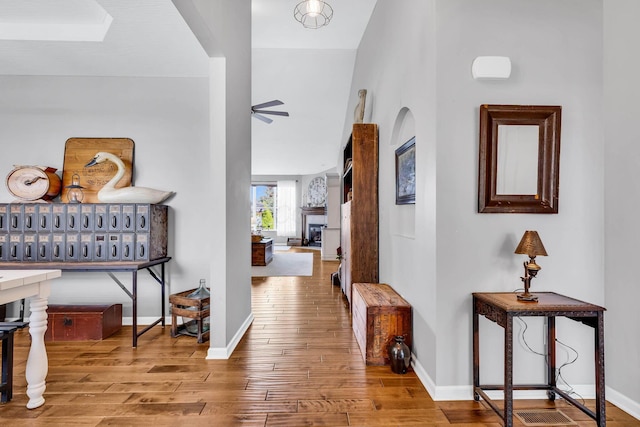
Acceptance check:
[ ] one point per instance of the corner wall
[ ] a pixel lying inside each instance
(229, 47)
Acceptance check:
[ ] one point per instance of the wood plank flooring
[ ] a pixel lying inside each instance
(298, 365)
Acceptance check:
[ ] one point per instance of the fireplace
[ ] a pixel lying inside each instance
(314, 216)
(315, 234)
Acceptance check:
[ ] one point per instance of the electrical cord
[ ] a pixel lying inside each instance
(571, 390)
(523, 341)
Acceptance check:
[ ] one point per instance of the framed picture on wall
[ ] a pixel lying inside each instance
(406, 173)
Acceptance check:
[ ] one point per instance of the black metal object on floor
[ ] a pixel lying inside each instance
(7, 330)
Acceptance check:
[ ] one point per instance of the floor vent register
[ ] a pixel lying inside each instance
(543, 417)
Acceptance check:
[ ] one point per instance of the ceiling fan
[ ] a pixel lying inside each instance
(258, 112)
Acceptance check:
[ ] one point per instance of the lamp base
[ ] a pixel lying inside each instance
(527, 297)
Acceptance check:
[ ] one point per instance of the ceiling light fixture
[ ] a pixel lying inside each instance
(313, 14)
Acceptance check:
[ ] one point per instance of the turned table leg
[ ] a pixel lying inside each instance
(37, 363)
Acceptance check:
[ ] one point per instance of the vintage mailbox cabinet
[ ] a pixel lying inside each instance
(88, 232)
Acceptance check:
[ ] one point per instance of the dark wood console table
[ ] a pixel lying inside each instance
(501, 308)
(110, 268)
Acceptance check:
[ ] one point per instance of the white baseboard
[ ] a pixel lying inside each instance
(586, 391)
(424, 378)
(623, 402)
(144, 321)
(213, 352)
(225, 352)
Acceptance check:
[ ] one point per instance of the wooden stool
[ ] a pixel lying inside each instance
(6, 336)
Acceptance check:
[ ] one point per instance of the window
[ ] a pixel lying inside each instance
(263, 206)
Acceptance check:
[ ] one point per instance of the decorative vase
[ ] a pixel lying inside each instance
(400, 355)
(200, 293)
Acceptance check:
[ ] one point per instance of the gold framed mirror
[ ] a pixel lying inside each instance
(519, 159)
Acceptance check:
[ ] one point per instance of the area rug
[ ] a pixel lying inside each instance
(286, 264)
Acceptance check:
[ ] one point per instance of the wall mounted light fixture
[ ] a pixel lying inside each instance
(491, 67)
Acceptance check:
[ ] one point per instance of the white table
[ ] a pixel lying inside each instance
(35, 285)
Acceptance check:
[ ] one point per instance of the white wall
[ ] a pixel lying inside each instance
(417, 55)
(166, 118)
(622, 153)
(553, 68)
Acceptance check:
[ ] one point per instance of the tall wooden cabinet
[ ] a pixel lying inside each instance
(359, 221)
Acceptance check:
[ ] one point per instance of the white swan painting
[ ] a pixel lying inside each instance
(110, 194)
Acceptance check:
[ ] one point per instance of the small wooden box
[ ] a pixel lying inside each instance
(83, 322)
(192, 308)
(379, 314)
(262, 252)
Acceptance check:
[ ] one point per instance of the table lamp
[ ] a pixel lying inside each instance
(531, 245)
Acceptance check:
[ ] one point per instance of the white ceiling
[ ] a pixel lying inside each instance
(146, 38)
(309, 70)
(274, 26)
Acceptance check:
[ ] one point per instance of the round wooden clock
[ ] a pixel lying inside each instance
(317, 191)
(33, 183)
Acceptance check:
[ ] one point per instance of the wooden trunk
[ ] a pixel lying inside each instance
(262, 252)
(83, 322)
(379, 315)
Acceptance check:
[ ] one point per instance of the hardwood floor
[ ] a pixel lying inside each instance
(298, 365)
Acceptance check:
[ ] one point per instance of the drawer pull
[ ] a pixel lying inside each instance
(29, 222)
(127, 222)
(85, 251)
(126, 251)
(43, 221)
(14, 221)
(85, 221)
(114, 250)
(114, 222)
(70, 251)
(43, 251)
(72, 222)
(99, 251)
(99, 222)
(143, 222)
(27, 251)
(56, 251)
(141, 251)
(14, 251)
(56, 222)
